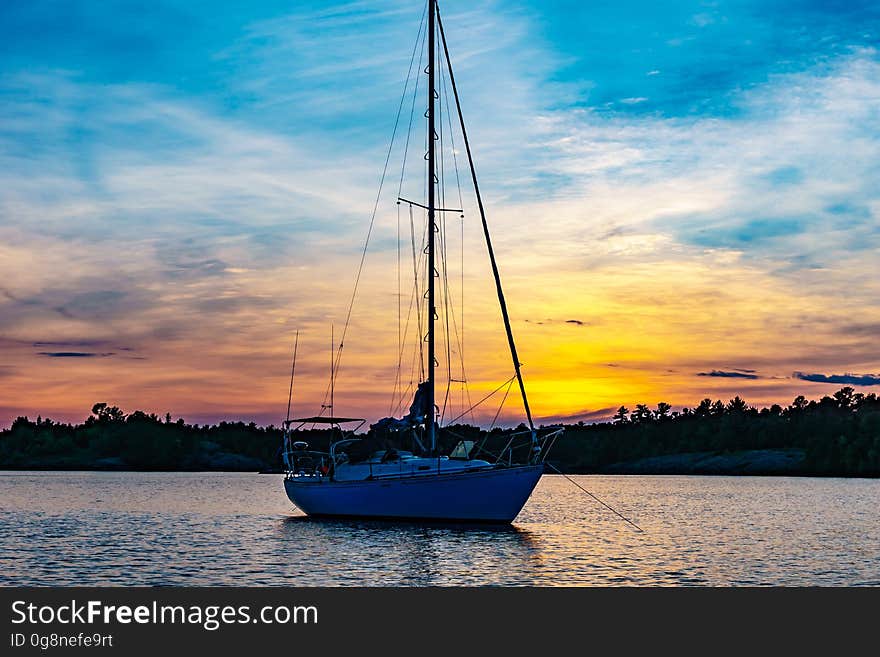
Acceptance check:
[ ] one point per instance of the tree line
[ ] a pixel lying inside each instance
(837, 435)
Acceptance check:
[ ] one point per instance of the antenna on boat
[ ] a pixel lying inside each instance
(333, 365)
(286, 432)
(292, 371)
(332, 368)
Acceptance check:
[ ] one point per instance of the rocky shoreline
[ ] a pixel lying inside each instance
(756, 462)
(746, 462)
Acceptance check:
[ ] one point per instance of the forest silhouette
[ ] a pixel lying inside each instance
(837, 435)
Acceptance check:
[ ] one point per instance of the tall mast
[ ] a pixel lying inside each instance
(516, 364)
(432, 438)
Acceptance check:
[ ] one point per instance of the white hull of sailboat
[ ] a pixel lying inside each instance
(494, 496)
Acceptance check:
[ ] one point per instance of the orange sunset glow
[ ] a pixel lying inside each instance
(162, 241)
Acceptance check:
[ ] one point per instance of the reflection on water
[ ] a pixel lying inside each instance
(406, 554)
(212, 528)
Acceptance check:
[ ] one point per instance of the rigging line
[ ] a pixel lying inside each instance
(459, 341)
(399, 335)
(418, 357)
(452, 140)
(413, 301)
(292, 370)
(478, 447)
(498, 412)
(376, 206)
(446, 319)
(420, 42)
(459, 338)
(450, 311)
(444, 247)
(416, 265)
(444, 250)
(607, 506)
(500, 292)
(412, 111)
(404, 394)
(482, 400)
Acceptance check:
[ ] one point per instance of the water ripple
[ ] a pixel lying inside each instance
(239, 529)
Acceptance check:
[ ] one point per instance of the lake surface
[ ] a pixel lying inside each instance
(102, 528)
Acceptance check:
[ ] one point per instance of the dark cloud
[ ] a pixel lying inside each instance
(190, 260)
(737, 235)
(69, 343)
(74, 354)
(71, 349)
(64, 312)
(71, 304)
(785, 176)
(87, 299)
(867, 330)
(850, 209)
(617, 231)
(17, 299)
(847, 379)
(95, 303)
(585, 415)
(732, 374)
(575, 322)
(197, 268)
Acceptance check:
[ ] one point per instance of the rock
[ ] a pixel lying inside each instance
(747, 462)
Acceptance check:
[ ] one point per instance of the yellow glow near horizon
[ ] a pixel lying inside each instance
(589, 343)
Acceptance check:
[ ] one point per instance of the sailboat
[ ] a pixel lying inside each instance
(397, 470)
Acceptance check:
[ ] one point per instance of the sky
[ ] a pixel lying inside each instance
(683, 198)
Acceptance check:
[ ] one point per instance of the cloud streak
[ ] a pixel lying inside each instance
(735, 374)
(841, 379)
(74, 354)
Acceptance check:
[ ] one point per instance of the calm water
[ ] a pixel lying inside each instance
(171, 528)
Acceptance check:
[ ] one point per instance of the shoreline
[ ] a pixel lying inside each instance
(700, 464)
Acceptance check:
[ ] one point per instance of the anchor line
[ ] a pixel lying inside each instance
(607, 506)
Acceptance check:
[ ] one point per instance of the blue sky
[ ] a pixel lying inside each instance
(676, 59)
(175, 174)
